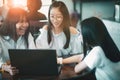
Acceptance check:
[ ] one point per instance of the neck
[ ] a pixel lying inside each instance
(57, 30)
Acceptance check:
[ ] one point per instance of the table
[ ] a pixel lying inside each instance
(67, 73)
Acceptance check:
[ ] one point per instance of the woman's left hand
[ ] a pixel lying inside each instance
(10, 69)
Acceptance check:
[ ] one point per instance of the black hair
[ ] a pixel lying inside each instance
(95, 33)
(8, 27)
(65, 23)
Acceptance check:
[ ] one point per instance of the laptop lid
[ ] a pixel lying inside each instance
(34, 62)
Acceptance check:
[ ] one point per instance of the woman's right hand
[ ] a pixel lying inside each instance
(59, 60)
(10, 69)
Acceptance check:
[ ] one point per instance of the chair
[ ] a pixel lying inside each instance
(35, 26)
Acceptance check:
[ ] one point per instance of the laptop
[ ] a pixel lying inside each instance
(35, 62)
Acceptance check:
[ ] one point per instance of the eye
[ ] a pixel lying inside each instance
(51, 16)
(20, 21)
(59, 17)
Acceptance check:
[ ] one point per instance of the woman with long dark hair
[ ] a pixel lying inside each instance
(58, 33)
(100, 51)
(14, 34)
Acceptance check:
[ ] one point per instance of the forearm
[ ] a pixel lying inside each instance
(72, 59)
(80, 67)
(1, 61)
(1, 64)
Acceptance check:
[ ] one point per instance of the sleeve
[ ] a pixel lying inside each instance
(93, 59)
(41, 41)
(31, 42)
(64, 52)
(1, 61)
(76, 44)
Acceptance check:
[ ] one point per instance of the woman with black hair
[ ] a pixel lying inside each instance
(99, 50)
(58, 33)
(14, 34)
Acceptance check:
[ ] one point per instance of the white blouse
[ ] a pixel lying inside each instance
(105, 69)
(58, 42)
(8, 43)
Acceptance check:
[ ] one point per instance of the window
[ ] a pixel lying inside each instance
(23, 3)
(45, 6)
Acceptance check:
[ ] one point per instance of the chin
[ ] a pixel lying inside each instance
(21, 34)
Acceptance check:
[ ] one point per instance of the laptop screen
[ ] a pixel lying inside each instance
(35, 62)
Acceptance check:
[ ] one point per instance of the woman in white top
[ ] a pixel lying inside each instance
(100, 51)
(58, 33)
(14, 34)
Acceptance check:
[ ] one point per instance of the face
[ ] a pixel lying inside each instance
(56, 17)
(21, 26)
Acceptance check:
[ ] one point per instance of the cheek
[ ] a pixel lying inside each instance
(26, 24)
(18, 25)
(60, 23)
(17, 31)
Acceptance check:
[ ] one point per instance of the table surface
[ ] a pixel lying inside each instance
(67, 73)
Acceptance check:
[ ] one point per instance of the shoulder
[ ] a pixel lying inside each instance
(94, 58)
(73, 30)
(6, 38)
(98, 49)
(45, 27)
(43, 30)
(97, 52)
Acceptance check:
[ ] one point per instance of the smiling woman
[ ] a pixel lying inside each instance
(14, 34)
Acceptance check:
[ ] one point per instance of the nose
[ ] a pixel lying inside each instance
(55, 19)
(25, 24)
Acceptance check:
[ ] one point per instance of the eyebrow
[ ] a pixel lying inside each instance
(56, 15)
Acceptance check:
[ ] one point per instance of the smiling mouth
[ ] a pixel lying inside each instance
(56, 23)
(23, 29)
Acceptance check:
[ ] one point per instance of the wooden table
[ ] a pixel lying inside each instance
(67, 73)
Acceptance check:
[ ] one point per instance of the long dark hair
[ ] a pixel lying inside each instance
(95, 34)
(8, 27)
(65, 23)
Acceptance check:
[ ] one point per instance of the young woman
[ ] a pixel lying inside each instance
(59, 34)
(14, 34)
(100, 51)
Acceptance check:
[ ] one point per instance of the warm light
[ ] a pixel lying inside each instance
(19, 3)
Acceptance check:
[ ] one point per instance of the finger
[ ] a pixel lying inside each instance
(13, 72)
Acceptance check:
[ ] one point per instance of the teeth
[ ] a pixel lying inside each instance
(55, 23)
(22, 28)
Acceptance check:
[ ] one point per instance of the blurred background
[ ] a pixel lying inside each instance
(107, 10)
